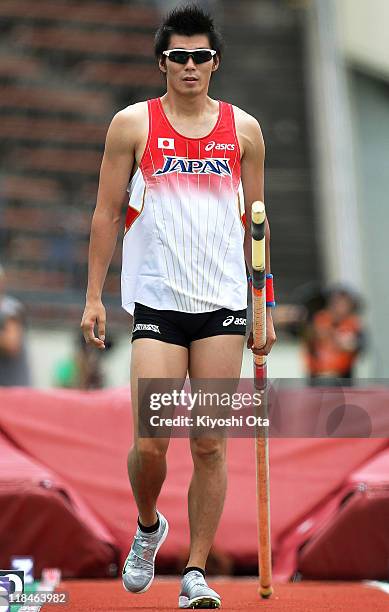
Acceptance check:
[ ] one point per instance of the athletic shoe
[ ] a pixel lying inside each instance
(195, 593)
(138, 570)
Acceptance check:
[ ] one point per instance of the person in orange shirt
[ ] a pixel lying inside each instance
(334, 339)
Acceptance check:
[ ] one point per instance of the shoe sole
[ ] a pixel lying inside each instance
(148, 585)
(204, 603)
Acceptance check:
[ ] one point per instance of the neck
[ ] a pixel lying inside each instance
(185, 106)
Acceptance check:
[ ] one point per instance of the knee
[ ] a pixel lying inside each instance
(208, 450)
(149, 450)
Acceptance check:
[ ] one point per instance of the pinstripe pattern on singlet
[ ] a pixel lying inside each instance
(183, 246)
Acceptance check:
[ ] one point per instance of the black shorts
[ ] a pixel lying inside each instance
(183, 328)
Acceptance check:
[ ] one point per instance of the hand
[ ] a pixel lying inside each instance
(270, 336)
(94, 313)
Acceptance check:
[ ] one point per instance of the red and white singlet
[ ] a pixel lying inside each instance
(183, 244)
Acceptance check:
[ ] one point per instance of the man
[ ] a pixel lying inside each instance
(334, 338)
(183, 274)
(14, 369)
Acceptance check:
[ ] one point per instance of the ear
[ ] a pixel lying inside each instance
(216, 63)
(162, 64)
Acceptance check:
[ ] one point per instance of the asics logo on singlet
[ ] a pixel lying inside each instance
(219, 146)
(231, 319)
(183, 165)
(146, 327)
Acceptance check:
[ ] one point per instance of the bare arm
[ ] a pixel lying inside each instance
(252, 172)
(116, 167)
(11, 335)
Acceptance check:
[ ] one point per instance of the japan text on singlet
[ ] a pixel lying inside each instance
(183, 242)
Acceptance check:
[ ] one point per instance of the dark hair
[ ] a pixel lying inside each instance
(340, 290)
(187, 21)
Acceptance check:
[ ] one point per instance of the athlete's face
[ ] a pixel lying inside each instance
(190, 78)
(341, 306)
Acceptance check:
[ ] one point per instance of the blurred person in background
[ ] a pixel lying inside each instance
(82, 370)
(14, 368)
(333, 338)
(328, 323)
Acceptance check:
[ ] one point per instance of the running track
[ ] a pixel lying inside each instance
(237, 594)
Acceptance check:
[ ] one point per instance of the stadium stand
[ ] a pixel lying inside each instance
(66, 68)
(107, 13)
(270, 37)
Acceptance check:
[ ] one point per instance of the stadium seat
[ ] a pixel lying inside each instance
(120, 75)
(58, 161)
(56, 39)
(13, 67)
(47, 99)
(15, 187)
(52, 130)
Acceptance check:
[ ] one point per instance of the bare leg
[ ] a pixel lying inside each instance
(147, 458)
(206, 496)
(215, 357)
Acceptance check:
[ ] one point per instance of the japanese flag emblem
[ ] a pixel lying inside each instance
(165, 143)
